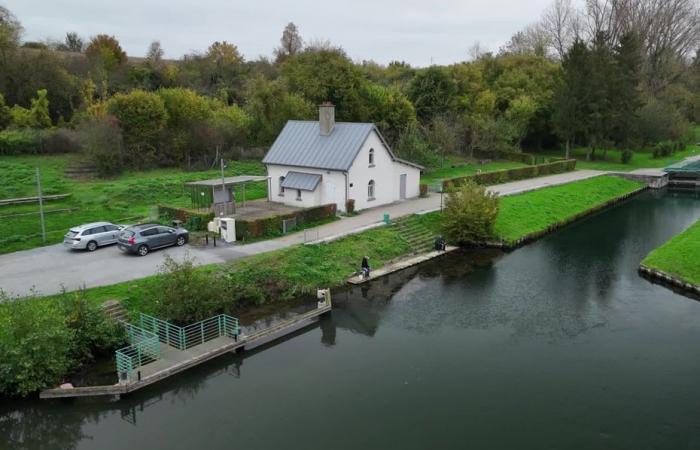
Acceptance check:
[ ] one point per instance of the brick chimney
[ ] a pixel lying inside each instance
(326, 118)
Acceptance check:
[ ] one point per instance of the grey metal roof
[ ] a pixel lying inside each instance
(301, 180)
(301, 144)
(228, 180)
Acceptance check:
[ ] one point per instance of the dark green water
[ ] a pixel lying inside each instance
(558, 345)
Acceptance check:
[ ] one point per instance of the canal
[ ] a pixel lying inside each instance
(557, 345)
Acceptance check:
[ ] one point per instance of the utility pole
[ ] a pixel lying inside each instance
(41, 205)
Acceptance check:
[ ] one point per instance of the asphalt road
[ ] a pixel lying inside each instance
(48, 270)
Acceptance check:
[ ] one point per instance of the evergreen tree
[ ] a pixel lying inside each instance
(626, 95)
(599, 94)
(570, 115)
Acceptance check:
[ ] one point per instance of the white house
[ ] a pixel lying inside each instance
(316, 163)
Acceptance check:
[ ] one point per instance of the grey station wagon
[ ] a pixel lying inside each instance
(141, 239)
(92, 235)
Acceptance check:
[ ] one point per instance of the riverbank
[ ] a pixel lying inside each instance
(676, 262)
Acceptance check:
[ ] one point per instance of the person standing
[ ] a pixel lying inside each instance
(365, 267)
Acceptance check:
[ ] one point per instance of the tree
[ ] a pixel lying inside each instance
(186, 111)
(432, 92)
(570, 97)
(291, 43)
(154, 56)
(470, 213)
(106, 51)
(103, 145)
(141, 117)
(72, 43)
(388, 108)
(10, 31)
(40, 110)
(626, 95)
(559, 24)
(4, 113)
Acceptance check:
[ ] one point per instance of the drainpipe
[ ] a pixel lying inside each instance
(346, 189)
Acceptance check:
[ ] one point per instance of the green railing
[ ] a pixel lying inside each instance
(188, 336)
(144, 348)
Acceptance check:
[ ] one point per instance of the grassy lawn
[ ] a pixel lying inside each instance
(128, 198)
(531, 212)
(279, 275)
(679, 256)
(464, 169)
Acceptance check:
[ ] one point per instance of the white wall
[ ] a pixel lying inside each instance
(309, 199)
(385, 173)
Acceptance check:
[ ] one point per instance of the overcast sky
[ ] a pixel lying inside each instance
(383, 30)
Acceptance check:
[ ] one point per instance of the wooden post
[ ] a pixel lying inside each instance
(41, 206)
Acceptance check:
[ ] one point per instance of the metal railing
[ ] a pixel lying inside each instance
(197, 333)
(144, 348)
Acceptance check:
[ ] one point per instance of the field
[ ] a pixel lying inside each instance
(531, 212)
(128, 198)
(679, 256)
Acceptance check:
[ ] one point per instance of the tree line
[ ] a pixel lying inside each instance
(617, 73)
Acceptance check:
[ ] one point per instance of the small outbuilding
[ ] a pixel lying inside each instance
(315, 163)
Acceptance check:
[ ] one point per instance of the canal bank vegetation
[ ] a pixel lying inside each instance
(44, 339)
(677, 260)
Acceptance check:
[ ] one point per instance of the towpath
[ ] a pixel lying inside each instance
(48, 270)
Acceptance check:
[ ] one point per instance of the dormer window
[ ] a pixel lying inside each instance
(371, 157)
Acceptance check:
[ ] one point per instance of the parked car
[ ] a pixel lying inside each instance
(141, 239)
(91, 236)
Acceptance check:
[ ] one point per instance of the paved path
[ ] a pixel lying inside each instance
(48, 270)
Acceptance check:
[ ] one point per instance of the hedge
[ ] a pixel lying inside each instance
(33, 142)
(272, 226)
(525, 158)
(521, 173)
(193, 220)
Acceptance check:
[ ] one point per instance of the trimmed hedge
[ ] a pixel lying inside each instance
(525, 158)
(521, 173)
(193, 220)
(272, 226)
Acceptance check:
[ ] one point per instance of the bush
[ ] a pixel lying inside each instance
(663, 149)
(103, 145)
(626, 156)
(272, 226)
(193, 220)
(184, 295)
(470, 213)
(59, 141)
(35, 345)
(19, 142)
(521, 173)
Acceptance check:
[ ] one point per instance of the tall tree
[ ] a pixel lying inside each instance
(291, 43)
(106, 51)
(625, 95)
(154, 56)
(73, 43)
(432, 92)
(571, 95)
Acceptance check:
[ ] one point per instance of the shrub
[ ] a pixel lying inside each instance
(59, 141)
(19, 142)
(470, 213)
(271, 226)
(520, 173)
(35, 345)
(626, 156)
(184, 295)
(193, 220)
(103, 145)
(423, 190)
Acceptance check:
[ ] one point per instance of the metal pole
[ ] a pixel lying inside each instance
(41, 206)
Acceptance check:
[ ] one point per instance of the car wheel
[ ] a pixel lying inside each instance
(143, 250)
(181, 241)
(91, 246)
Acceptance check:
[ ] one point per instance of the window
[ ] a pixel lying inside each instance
(94, 231)
(150, 232)
(281, 191)
(371, 157)
(111, 227)
(299, 194)
(370, 190)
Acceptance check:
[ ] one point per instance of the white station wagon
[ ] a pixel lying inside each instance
(92, 235)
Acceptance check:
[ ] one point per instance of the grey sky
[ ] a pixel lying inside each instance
(382, 30)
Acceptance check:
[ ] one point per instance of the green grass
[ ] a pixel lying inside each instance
(640, 160)
(535, 211)
(464, 169)
(679, 257)
(128, 198)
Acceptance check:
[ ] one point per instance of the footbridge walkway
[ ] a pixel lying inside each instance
(159, 349)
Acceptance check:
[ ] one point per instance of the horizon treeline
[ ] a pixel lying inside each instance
(615, 74)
